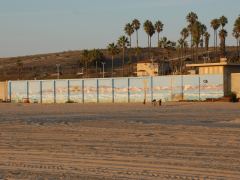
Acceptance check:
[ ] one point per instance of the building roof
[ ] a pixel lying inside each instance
(212, 64)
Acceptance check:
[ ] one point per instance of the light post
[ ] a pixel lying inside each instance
(58, 72)
(103, 63)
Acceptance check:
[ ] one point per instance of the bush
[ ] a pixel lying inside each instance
(70, 101)
(233, 97)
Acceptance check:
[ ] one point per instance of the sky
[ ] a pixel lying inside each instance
(43, 26)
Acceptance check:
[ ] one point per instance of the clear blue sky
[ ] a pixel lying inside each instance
(40, 26)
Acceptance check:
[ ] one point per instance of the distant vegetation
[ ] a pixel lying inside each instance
(119, 57)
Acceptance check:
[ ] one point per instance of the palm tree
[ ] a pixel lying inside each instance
(203, 31)
(86, 59)
(123, 43)
(222, 35)
(236, 35)
(181, 43)
(159, 28)
(129, 30)
(191, 19)
(207, 37)
(149, 29)
(196, 33)
(185, 34)
(237, 24)
(236, 32)
(20, 67)
(215, 23)
(136, 25)
(164, 43)
(223, 21)
(113, 50)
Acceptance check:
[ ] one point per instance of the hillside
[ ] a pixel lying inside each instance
(43, 66)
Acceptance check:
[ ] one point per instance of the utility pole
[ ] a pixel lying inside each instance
(58, 70)
(103, 63)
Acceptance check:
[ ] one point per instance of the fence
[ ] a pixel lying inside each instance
(118, 90)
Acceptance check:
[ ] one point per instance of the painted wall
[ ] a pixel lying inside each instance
(235, 77)
(3, 91)
(118, 90)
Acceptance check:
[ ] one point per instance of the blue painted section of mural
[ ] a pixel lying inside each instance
(118, 90)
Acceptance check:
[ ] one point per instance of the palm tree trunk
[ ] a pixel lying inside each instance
(181, 62)
(158, 39)
(130, 38)
(216, 44)
(238, 47)
(112, 66)
(137, 38)
(86, 69)
(192, 53)
(150, 42)
(123, 62)
(197, 52)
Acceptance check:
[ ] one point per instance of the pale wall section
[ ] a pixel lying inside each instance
(119, 90)
(235, 79)
(3, 91)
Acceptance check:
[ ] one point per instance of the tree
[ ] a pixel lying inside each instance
(191, 19)
(20, 67)
(86, 59)
(159, 28)
(165, 43)
(196, 34)
(222, 35)
(136, 25)
(223, 21)
(215, 24)
(207, 37)
(123, 43)
(129, 30)
(96, 56)
(149, 29)
(203, 30)
(236, 32)
(113, 51)
(184, 33)
(182, 44)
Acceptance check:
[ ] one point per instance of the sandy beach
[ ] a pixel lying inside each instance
(120, 141)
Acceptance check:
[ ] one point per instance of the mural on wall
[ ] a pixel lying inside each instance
(18, 90)
(105, 90)
(34, 92)
(61, 91)
(162, 88)
(121, 90)
(140, 89)
(76, 91)
(167, 88)
(211, 86)
(48, 91)
(90, 90)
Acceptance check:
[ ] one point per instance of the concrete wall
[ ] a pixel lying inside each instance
(235, 78)
(108, 90)
(3, 91)
(228, 71)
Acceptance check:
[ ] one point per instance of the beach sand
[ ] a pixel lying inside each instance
(120, 141)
